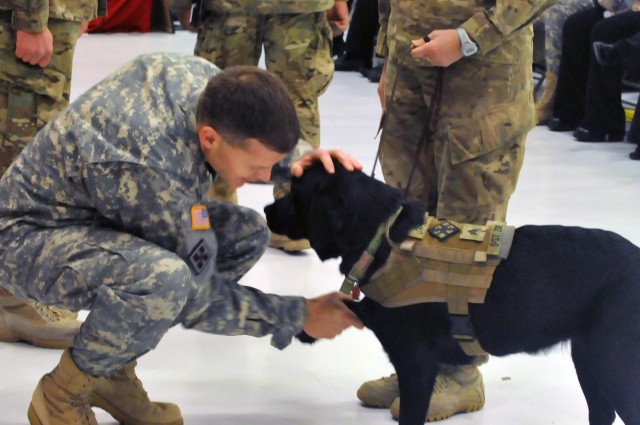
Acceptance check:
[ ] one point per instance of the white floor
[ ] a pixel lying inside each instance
(243, 381)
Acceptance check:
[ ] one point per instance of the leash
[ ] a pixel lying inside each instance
(428, 129)
(358, 270)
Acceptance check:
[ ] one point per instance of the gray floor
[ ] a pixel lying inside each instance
(243, 381)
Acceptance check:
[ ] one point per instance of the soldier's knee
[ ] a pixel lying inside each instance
(171, 281)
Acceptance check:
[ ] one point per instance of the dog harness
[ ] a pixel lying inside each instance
(441, 261)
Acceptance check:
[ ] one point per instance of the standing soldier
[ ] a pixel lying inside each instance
(36, 51)
(296, 36)
(475, 58)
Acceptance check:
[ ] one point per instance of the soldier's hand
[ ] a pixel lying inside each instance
(35, 48)
(442, 48)
(328, 316)
(338, 17)
(325, 156)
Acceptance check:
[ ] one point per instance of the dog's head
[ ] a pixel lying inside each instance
(338, 213)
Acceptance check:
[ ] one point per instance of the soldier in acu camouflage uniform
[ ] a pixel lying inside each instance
(468, 170)
(554, 19)
(296, 38)
(37, 41)
(105, 210)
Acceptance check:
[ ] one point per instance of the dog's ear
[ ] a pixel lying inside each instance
(282, 218)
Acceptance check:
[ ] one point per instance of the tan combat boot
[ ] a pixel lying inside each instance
(544, 103)
(458, 389)
(281, 241)
(380, 392)
(35, 323)
(121, 395)
(62, 396)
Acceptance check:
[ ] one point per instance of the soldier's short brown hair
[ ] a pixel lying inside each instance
(245, 102)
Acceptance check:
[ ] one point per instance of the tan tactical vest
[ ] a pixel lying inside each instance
(444, 261)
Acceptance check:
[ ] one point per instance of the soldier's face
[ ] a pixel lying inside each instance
(239, 165)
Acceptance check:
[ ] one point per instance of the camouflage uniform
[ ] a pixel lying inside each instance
(31, 96)
(296, 38)
(553, 21)
(487, 104)
(96, 215)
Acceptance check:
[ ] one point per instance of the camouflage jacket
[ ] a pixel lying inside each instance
(258, 6)
(126, 154)
(33, 15)
(499, 27)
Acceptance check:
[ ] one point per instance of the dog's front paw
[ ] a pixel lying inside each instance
(304, 337)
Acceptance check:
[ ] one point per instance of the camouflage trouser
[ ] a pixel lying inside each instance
(31, 96)
(470, 169)
(553, 21)
(135, 290)
(297, 49)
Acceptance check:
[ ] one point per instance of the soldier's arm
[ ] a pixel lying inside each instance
(488, 27)
(338, 17)
(34, 42)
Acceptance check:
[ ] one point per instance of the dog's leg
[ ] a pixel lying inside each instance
(600, 411)
(606, 356)
(417, 368)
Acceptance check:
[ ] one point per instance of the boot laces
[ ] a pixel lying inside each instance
(48, 313)
(442, 383)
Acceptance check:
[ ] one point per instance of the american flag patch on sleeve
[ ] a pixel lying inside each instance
(200, 218)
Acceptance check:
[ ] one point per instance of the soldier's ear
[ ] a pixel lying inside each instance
(209, 137)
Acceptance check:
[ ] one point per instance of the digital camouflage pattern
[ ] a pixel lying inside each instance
(297, 49)
(554, 19)
(97, 214)
(486, 106)
(31, 96)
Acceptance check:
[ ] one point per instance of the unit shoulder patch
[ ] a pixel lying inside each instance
(444, 230)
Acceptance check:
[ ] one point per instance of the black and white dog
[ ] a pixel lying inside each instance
(558, 284)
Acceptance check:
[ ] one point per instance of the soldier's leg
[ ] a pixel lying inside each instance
(23, 111)
(457, 389)
(406, 109)
(134, 291)
(480, 151)
(554, 19)
(298, 50)
(229, 40)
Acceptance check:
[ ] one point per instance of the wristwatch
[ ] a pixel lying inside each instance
(467, 46)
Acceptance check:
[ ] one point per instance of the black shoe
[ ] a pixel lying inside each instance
(635, 154)
(556, 124)
(374, 74)
(345, 63)
(585, 135)
(606, 54)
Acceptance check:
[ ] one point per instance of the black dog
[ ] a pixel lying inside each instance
(558, 283)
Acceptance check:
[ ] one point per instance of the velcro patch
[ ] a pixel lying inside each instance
(200, 218)
(420, 231)
(443, 230)
(199, 256)
(473, 232)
